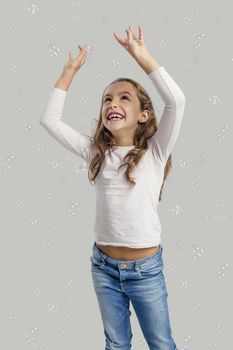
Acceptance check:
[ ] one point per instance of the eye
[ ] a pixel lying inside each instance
(107, 98)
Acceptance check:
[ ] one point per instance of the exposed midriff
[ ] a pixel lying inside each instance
(126, 253)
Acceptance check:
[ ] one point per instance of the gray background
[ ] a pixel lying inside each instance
(47, 300)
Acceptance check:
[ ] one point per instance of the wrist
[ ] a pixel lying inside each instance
(68, 72)
(148, 63)
(65, 80)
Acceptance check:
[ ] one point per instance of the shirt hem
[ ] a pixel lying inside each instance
(129, 245)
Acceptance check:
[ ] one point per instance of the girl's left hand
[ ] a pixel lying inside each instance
(136, 47)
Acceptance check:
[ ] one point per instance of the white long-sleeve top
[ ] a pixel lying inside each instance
(125, 216)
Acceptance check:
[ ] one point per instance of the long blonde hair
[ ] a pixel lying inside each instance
(103, 139)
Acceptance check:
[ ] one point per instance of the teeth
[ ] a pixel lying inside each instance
(115, 116)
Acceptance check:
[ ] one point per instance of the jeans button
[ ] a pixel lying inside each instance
(122, 265)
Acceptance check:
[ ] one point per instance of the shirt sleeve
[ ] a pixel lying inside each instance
(165, 137)
(51, 120)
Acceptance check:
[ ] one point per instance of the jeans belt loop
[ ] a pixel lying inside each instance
(102, 258)
(137, 266)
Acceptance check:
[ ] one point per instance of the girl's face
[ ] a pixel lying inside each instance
(121, 98)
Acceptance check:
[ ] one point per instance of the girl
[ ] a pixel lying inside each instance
(127, 255)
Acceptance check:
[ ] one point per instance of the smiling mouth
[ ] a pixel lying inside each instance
(115, 120)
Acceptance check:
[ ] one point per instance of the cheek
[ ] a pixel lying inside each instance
(103, 111)
(104, 121)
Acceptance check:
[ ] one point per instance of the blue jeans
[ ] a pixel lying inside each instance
(116, 282)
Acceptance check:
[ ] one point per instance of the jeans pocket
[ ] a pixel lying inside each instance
(149, 270)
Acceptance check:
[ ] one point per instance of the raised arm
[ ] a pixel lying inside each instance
(51, 118)
(166, 135)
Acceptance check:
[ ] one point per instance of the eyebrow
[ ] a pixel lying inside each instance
(122, 92)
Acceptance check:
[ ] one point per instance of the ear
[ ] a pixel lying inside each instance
(145, 116)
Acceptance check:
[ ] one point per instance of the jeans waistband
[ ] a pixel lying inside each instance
(130, 263)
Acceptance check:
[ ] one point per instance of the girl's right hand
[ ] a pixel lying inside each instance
(74, 64)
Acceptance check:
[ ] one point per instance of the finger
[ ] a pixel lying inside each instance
(83, 60)
(129, 33)
(121, 41)
(131, 29)
(70, 56)
(117, 37)
(140, 33)
(81, 54)
(82, 48)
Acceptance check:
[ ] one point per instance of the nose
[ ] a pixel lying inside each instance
(111, 107)
(113, 104)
